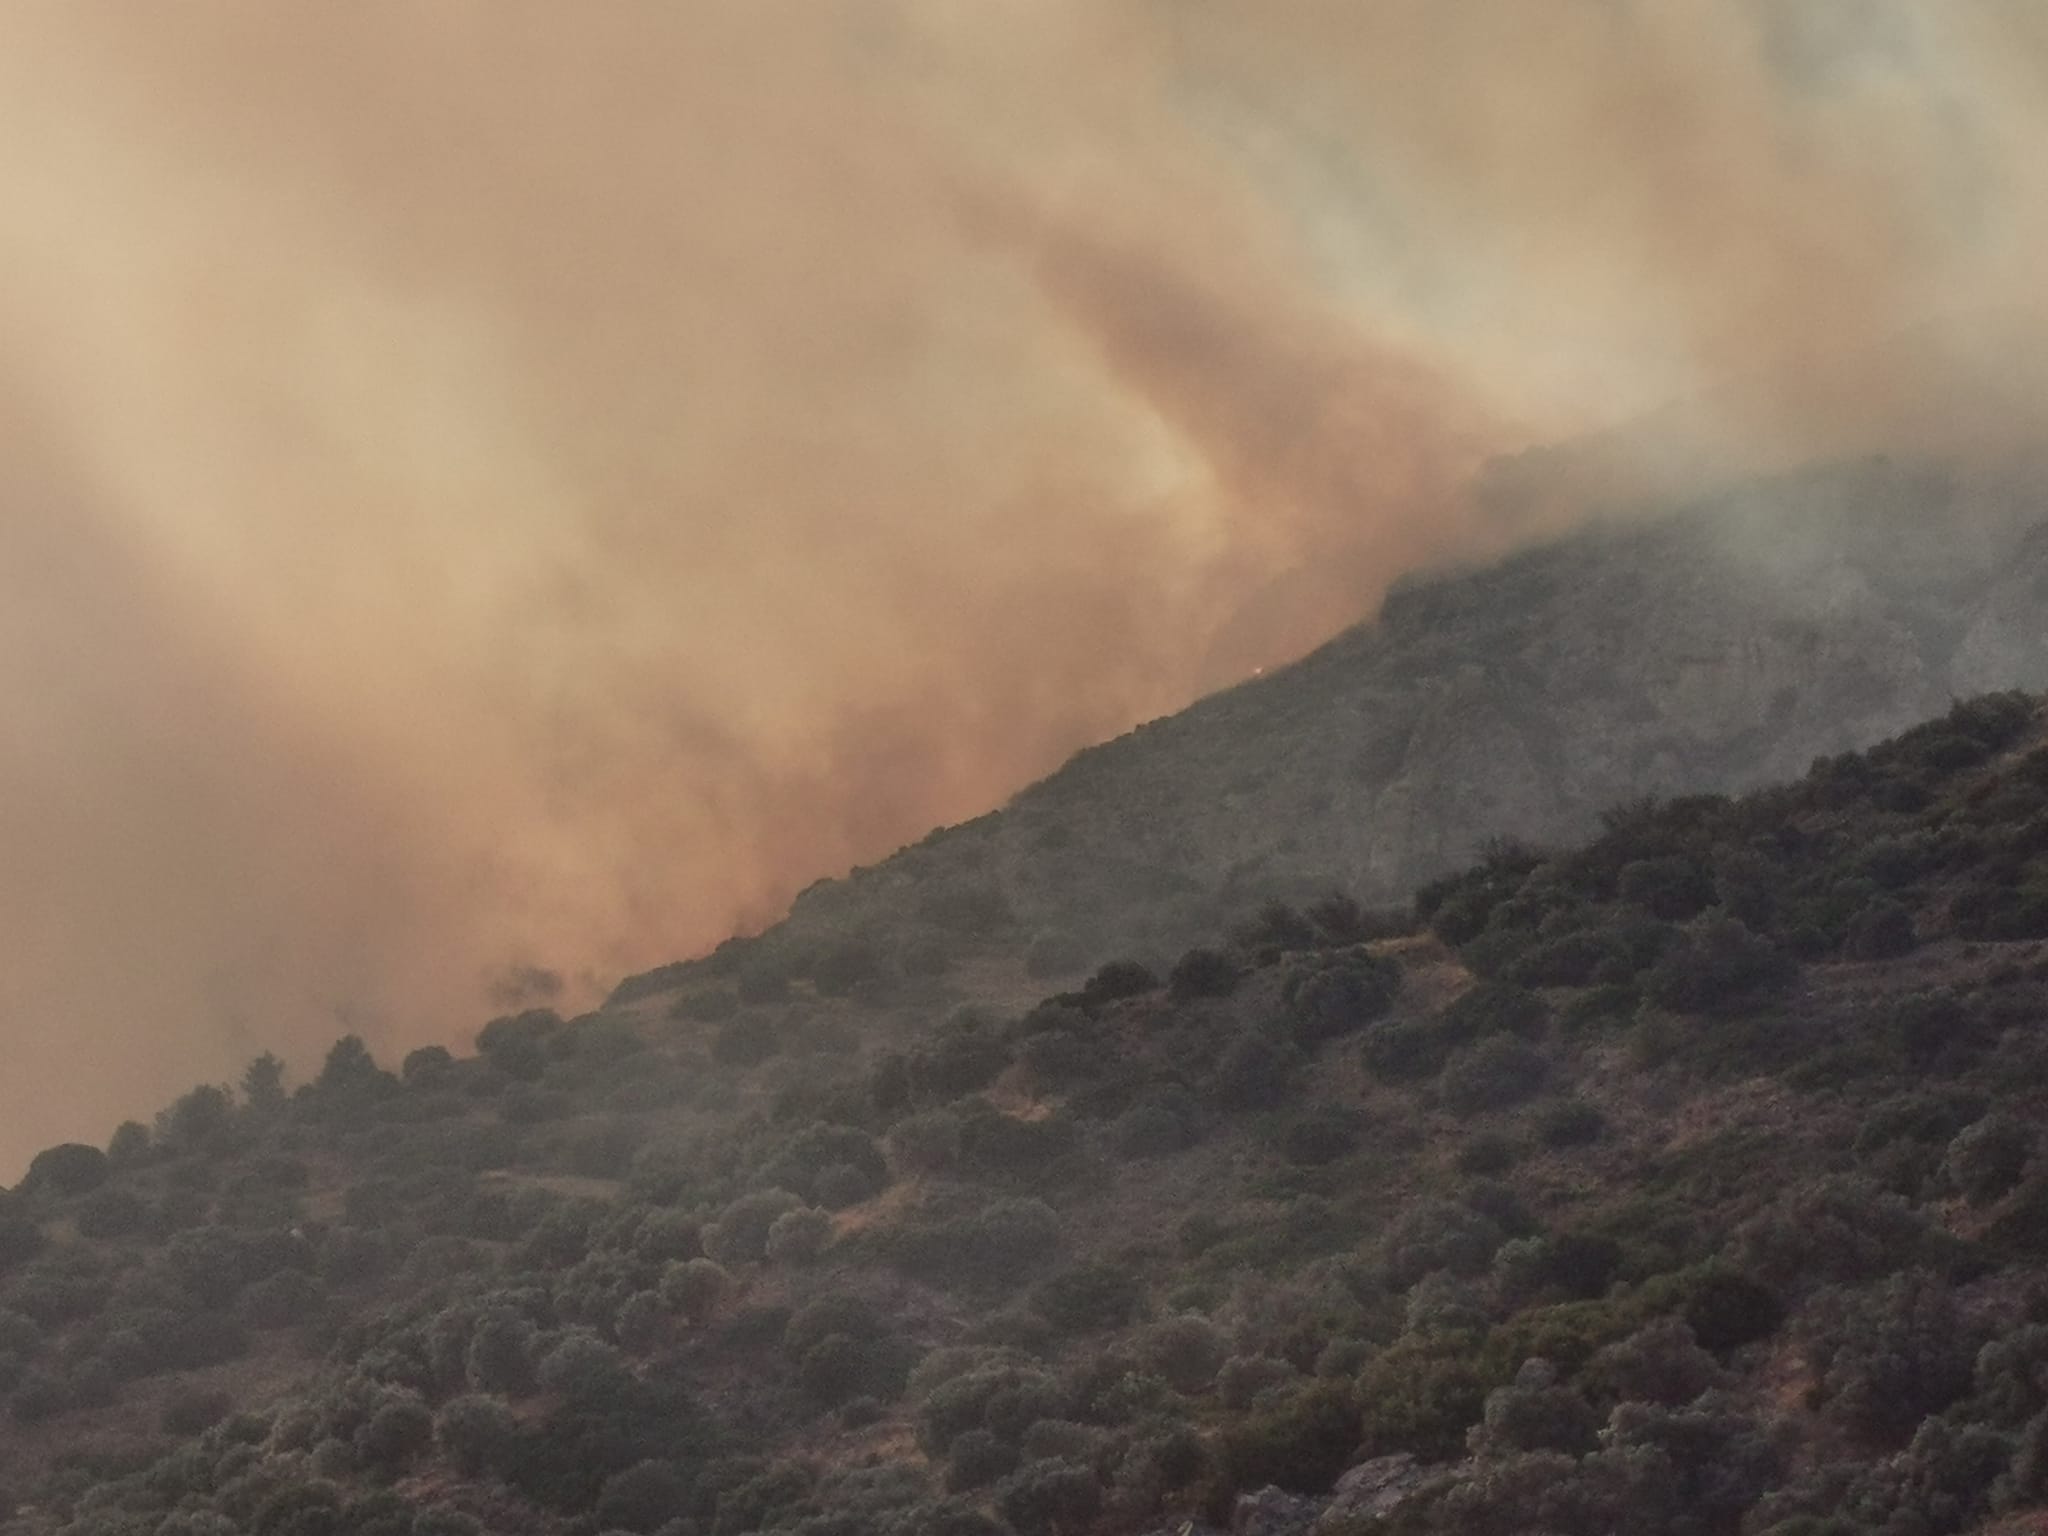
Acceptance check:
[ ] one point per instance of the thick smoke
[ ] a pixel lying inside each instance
(499, 486)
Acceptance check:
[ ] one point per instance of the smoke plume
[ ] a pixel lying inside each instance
(497, 487)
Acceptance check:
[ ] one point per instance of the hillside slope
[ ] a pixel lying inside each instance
(1687, 1181)
(1715, 647)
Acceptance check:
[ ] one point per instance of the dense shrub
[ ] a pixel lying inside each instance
(193, 1410)
(1164, 1122)
(713, 1005)
(1985, 1161)
(1672, 888)
(1255, 1072)
(1662, 1362)
(1319, 1136)
(1299, 1441)
(1202, 973)
(1883, 930)
(70, 1169)
(395, 1435)
(1726, 1309)
(1718, 963)
(1534, 1413)
(1404, 1051)
(846, 966)
(430, 1066)
(1574, 1123)
(1842, 1231)
(1088, 1298)
(801, 1163)
(745, 1041)
(1421, 1396)
(1341, 997)
(1049, 1497)
(740, 1234)
(1566, 1266)
(112, 1212)
(500, 1353)
(1497, 1072)
(1185, 1351)
(1486, 1154)
(798, 1237)
(1119, 979)
(1242, 1380)
(1495, 1008)
(696, 1288)
(1438, 1235)
(1887, 1359)
(642, 1497)
(962, 1057)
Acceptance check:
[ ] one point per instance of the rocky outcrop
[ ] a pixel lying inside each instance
(1370, 1492)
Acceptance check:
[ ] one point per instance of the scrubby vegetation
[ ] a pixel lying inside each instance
(1685, 1181)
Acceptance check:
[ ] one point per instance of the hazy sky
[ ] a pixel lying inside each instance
(507, 482)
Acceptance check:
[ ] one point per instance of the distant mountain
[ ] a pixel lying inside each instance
(1712, 646)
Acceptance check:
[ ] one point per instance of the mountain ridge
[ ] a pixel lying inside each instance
(1709, 647)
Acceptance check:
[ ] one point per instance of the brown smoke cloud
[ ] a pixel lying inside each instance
(496, 483)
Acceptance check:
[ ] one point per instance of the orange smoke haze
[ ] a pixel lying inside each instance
(500, 483)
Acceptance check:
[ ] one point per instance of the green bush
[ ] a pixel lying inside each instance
(1243, 1379)
(1842, 1231)
(1486, 1154)
(1887, 1359)
(1573, 1123)
(1497, 1072)
(977, 1458)
(67, 1170)
(711, 1006)
(191, 1411)
(1185, 1351)
(1561, 1266)
(396, 1435)
(1661, 1362)
(500, 1353)
(1437, 1235)
(1255, 1072)
(1883, 930)
(695, 1288)
(846, 966)
(740, 1234)
(1088, 1298)
(1340, 997)
(1534, 1413)
(1319, 1136)
(1164, 1122)
(1404, 1051)
(1986, 1161)
(745, 1041)
(798, 1237)
(1300, 1442)
(1672, 889)
(1202, 973)
(1495, 1008)
(1118, 979)
(642, 1497)
(1718, 964)
(1049, 1498)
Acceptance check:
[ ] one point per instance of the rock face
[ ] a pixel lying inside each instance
(1273, 1512)
(1712, 648)
(1372, 1490)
